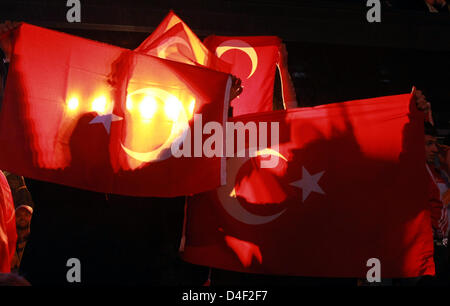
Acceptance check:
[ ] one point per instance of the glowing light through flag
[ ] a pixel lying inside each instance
(154, 109)
(172, 108)
(73, 104)
(191, 108)
(129, 104)
(148, 107)
(154, 100)
(73, 126)
(99, 105)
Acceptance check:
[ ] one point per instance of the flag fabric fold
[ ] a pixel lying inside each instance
(99, 117)
(349, 186)
(254, 59)
(174, 40)
(8, 234)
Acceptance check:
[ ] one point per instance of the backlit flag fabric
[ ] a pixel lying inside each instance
(8, 234)
(349, 186)
(174, 40)
(95, 116)
(254, 60)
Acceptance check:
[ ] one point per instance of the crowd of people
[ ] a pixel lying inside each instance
(437, 161)
(43, 198)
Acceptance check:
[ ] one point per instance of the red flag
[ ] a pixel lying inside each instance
(8, 234)
(174, 40)
(99, 117)
(254, 60)
(349, 186)
(287, 87)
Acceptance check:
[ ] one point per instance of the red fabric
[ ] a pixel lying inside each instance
(253, 60)
(73, 114)
(8, 234)
(287, 88)
(366, 157)
(174, 40)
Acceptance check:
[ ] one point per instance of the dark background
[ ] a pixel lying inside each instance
(334, 55)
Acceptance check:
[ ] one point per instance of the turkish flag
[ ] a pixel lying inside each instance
(8, 234)
(254, 60)
(99, 117)
(174, 40)
(349, 185)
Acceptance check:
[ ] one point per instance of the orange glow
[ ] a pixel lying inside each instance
(154, 119)
(148, 107)
(99, 105)
(129, 104)
(191, 108)
(172, 108)
(73, 103)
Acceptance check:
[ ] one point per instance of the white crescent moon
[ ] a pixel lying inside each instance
(239, 45)
(177, 134)
(162, 47)
(231, 204)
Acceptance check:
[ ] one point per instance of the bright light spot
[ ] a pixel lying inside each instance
(99, 105)
(233, 193)
(148, 107)
(73, 104)
(192, 107)
(129, 104)
(172, 108)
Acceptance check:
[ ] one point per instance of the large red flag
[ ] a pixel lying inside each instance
(8, 234)
(99, 117)
(254, 59)
(174, 40)
(349, 186)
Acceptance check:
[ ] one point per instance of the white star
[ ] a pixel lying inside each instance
(309, 183)
(106, 120)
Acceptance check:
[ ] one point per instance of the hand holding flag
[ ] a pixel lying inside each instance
(5, 37)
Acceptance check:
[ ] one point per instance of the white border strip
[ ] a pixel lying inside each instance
(226, 105)
(183, 234)
(281, 81)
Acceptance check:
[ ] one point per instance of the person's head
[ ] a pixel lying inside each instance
(436, 3)
(23, 216)
(12, 279)
(431, 145)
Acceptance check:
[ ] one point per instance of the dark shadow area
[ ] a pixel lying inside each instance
(119, 240)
